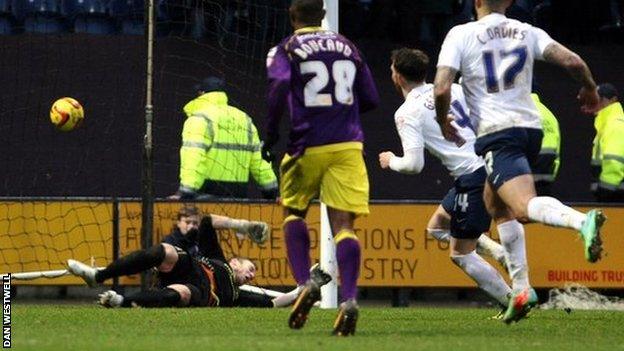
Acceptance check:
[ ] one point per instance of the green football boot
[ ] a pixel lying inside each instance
(590, 233)
(519, 305)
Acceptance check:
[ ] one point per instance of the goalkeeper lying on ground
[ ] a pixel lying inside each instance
(192, 269)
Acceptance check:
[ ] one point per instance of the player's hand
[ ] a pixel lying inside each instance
(384, 159)
(267, 153)
(450, 132)
(267, 145)
(589, 100)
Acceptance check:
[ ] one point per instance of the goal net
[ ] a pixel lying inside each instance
(77, 194)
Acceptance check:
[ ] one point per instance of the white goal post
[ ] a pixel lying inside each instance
(329, 292)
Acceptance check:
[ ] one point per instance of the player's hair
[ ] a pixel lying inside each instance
(410, 63)
(187, 211)
(498, 3)
(309, 12)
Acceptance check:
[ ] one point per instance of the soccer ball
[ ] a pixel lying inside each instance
(66, 114)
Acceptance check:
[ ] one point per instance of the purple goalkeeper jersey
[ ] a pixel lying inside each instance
(323, 79)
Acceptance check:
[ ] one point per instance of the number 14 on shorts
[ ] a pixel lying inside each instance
(461, 202)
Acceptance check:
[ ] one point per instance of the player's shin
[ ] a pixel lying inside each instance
(548, 210)
(298, 247)
(135, 262)
(166, 297)
(512, 238)
(348, 255)
(484, 275)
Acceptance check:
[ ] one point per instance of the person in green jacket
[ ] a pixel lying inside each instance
(608, 151)
(547, 165)
(220, 148)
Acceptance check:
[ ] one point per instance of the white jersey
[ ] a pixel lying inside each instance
(416, 123)
(495, 57)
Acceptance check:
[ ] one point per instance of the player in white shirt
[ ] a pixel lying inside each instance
(495, 56)
(462, 211)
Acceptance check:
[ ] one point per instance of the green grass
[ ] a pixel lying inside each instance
(80, 327)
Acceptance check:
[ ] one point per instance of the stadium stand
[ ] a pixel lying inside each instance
(40, 16)
(90, 16)
(6, 17)
(130, 14)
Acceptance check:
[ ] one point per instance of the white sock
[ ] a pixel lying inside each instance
(487, 246)
(484, 275)
(443, 235)
(548, 210)
(512, 238)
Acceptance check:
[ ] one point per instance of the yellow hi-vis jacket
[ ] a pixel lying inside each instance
(220, 143)
(549, 160)
(608, 150)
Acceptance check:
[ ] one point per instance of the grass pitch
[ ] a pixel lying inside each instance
(82, 327)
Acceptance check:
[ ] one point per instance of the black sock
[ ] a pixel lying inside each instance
(135, 262)
(166, 297)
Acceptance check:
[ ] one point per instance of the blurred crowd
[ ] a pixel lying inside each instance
(411, 22)
(425, 22)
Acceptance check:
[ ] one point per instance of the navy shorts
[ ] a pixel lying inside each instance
(448, 202)
(509, 153)
(464, 202)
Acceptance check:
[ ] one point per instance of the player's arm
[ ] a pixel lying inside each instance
(444, 78)
(253, 299)
(560, 55)
(208, 241)
(412, 162)
(410, 132)
(551, 51)
(256, 230)
(442, 95)
(449, 62)
(368, 97)
(278, 74)
(286, 299)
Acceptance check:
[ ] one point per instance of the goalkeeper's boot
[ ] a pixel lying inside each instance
(258, 232)
(309, 294)
(319, 276)
(519, 305)
(590, 232)
(110, 299)
(80, 269)
(347, 318)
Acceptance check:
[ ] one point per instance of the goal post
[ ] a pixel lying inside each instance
(329, 292)
(147, 179)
